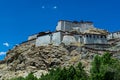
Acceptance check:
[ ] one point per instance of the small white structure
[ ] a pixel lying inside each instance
(114, 35)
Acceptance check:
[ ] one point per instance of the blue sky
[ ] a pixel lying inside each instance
(21, 18)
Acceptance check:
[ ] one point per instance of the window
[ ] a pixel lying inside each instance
(101, 36)
(80, 36)
(90, 36)
(105, 37)
(97, 36)
(86, 35)
(93, 36)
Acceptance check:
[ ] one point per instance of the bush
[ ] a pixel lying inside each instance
(19, 78)
(105, 68)
(29, 77)
(72, 73)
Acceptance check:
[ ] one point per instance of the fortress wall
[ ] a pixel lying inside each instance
(32, 41)
(57, 38)
(32, 37)
(95, 39)
(64, 26)
(114, 35)
(43, 40)
(110, 36)
(69, 26)
(79, 38)
(29, 42)
(68, 39)
(53, 38)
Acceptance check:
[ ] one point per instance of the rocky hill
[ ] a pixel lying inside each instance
(23, 59)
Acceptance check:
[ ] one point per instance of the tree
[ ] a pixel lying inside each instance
(105, 68)
(31, 77)
(95, 70)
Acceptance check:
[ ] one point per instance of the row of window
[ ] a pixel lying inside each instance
(96, 36)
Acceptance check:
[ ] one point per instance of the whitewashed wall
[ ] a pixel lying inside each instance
(68, 39)
(69, 26)
(43, 40)
(60, 26)
(54, 38)
(32, 37)
(114, 35)
(95, 39)
(57, 37)
(79, 38)
(64, 26)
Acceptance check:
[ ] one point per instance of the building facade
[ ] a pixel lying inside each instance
(64, 25)
(114, 35)
(71, 33)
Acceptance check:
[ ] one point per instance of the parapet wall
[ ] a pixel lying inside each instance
(71, 26)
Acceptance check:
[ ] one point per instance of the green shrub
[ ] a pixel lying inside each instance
(105, 68)
(19, 78)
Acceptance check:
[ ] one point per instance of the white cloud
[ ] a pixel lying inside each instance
(6, 44)
(2, 53)
(43, 7)
(55, 7)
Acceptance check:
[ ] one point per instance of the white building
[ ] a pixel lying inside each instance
(114, 35)
(71, 33)
(64, 25)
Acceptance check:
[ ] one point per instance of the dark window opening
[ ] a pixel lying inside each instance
(101, 36)
(93, 36)
(90, 36)
(80, 36)
(97, 36)
(86, 35)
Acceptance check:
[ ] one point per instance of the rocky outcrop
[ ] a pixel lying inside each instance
(23, 59)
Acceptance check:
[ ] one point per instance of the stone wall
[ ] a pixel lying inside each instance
(43, 40)
(77, 26)
(52, 38)
(29, 42)
(32, 37)
(68, 39)
(56, 38)
(73, 39)
(95, 39)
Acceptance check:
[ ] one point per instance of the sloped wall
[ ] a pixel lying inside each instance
(43, 40)
(95, 39)
(68, 39)
(57, 38)
(53, 38)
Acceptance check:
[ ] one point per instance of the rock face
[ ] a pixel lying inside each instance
(23, 59)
